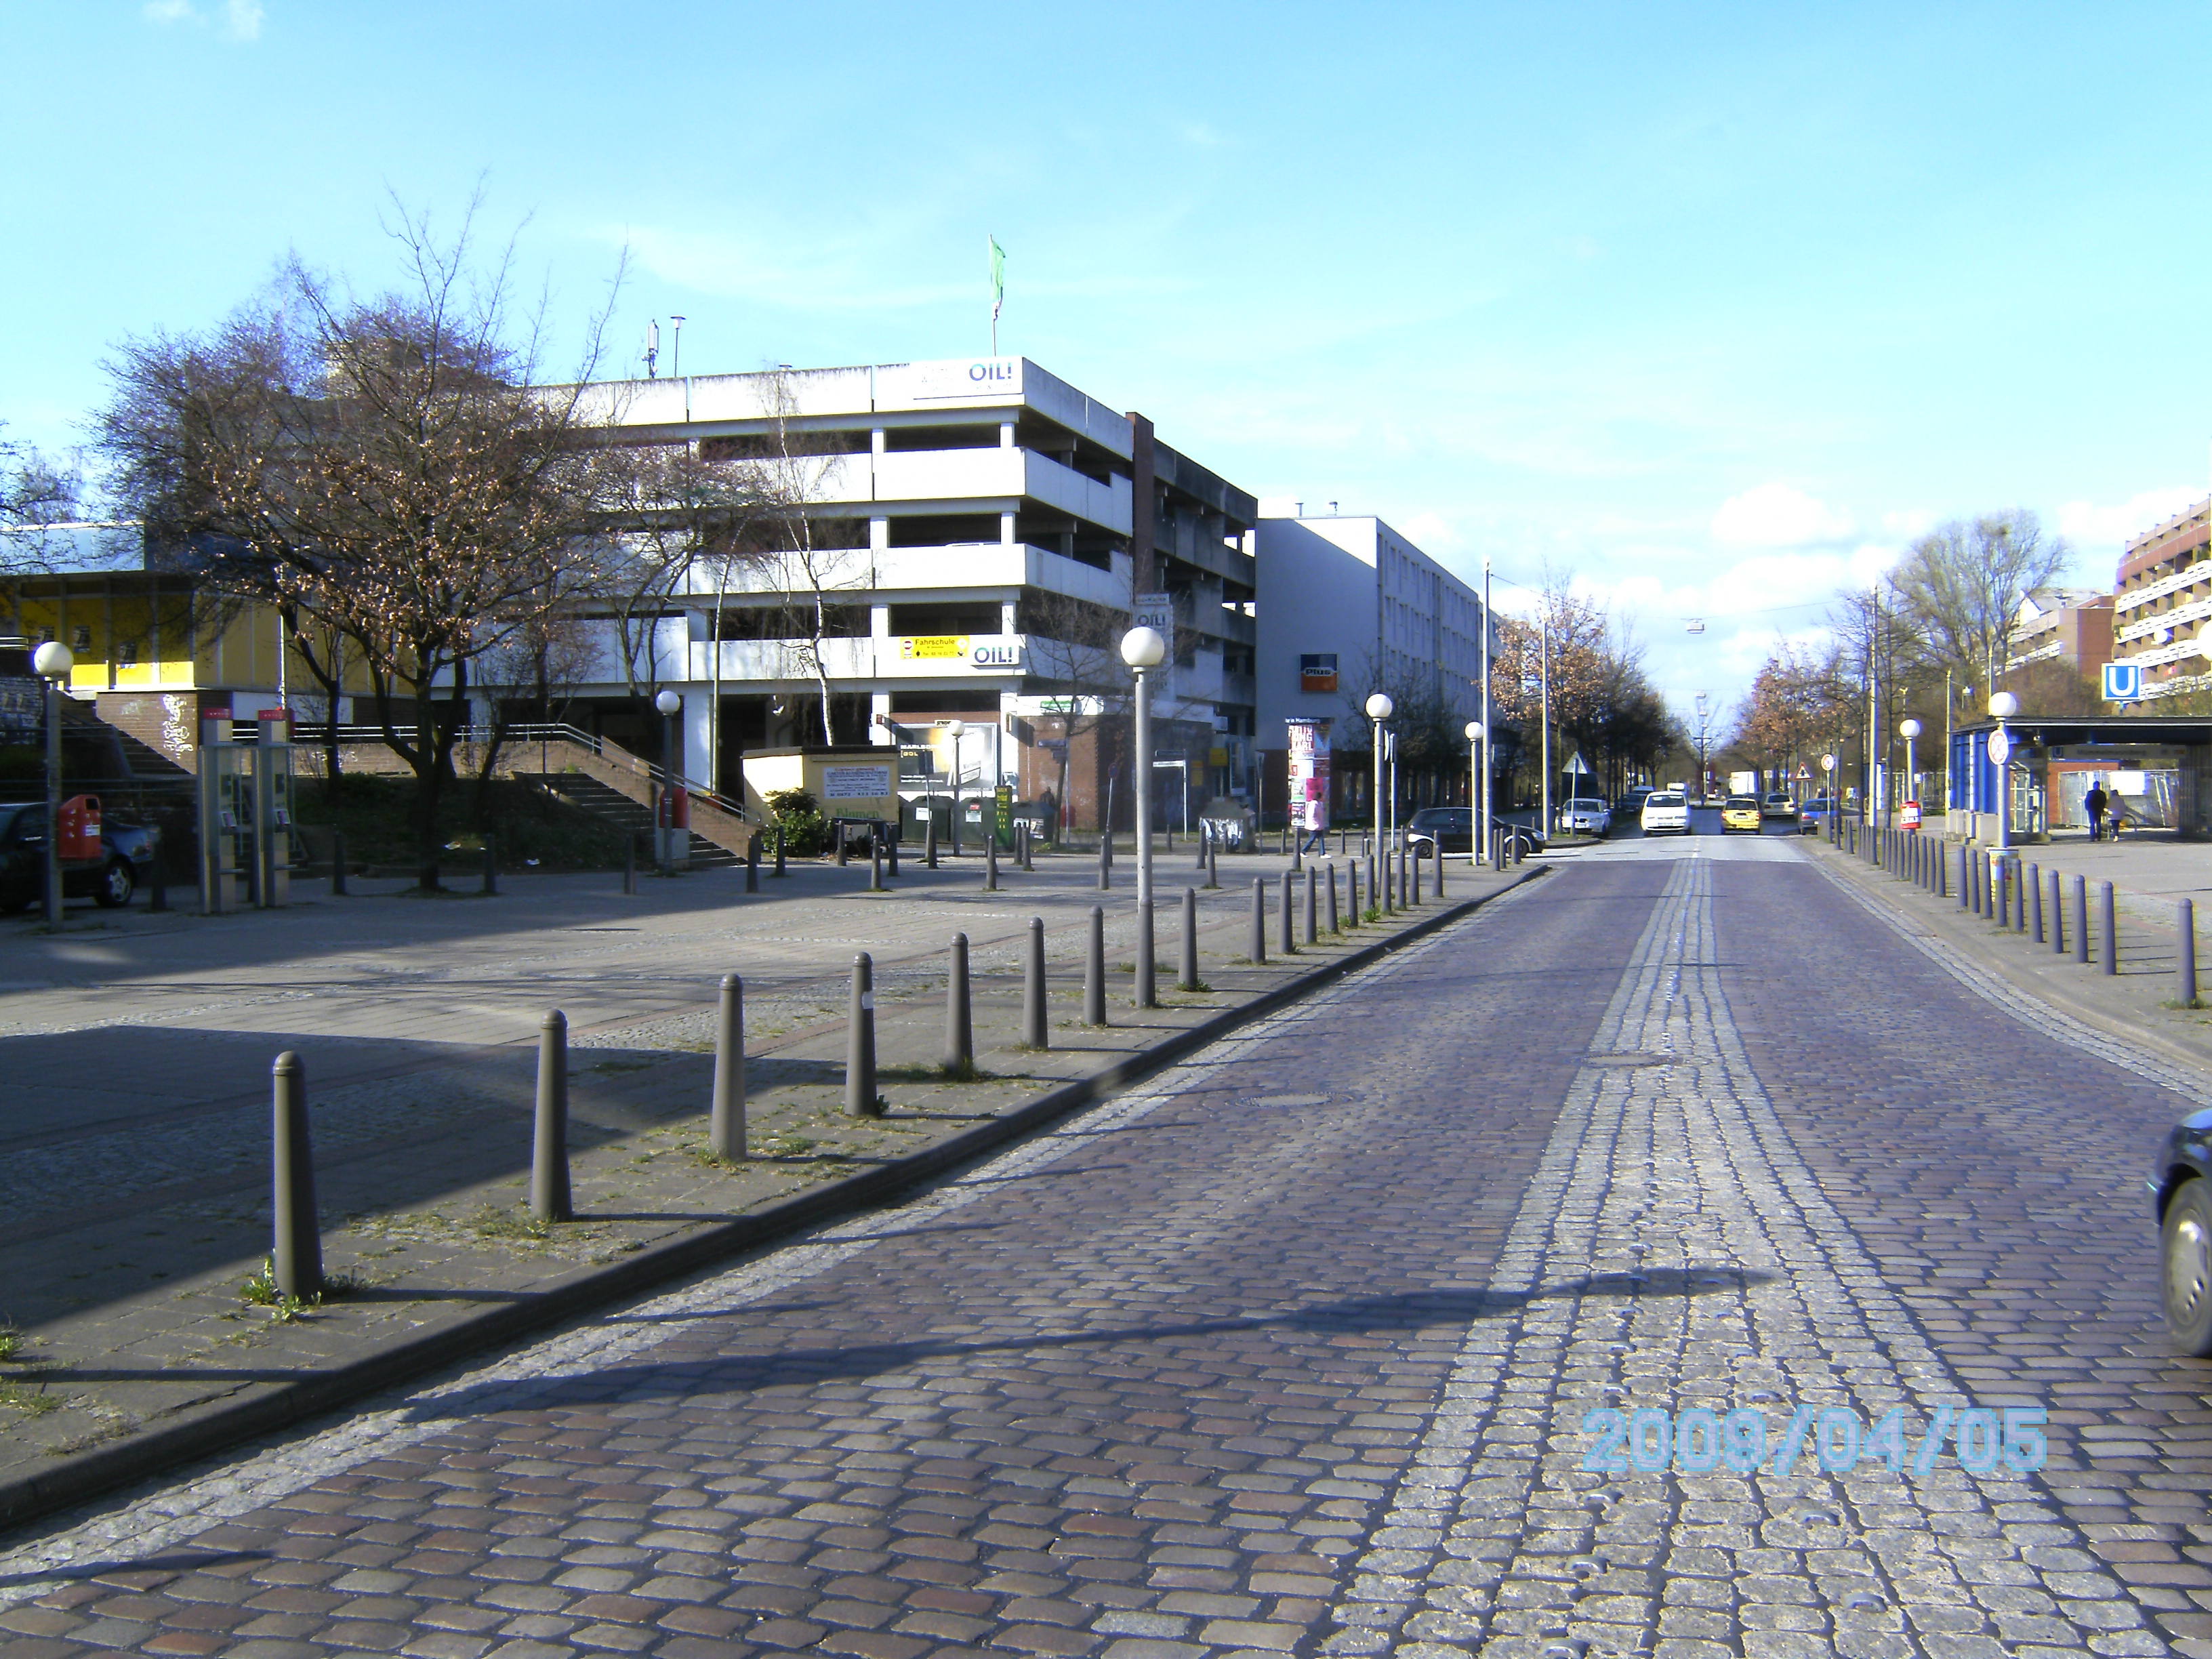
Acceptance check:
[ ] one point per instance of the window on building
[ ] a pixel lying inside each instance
(902, 439)
(766, 445)
(943, 529)
(970, 617)
(791, 622)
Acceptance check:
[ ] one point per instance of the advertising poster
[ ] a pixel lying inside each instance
(1309, 774)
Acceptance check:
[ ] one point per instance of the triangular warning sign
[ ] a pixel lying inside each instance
(1575, 765)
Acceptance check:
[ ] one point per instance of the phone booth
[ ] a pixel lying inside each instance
(672, 827)
(272, 808)
(226, 815)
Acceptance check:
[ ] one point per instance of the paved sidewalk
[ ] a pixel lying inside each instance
(2138, 1004)
(137, 1194)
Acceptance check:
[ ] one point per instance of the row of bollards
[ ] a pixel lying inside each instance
(296, 1256)
(2015, 897)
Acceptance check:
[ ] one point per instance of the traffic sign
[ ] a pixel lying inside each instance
(2000, 747)
(1908, 816)
(2123, 682)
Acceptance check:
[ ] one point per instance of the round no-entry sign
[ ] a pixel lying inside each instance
(2000, 747)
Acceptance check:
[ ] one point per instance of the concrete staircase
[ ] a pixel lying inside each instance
(603, 800)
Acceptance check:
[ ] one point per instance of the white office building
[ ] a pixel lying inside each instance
(1348, 605)
(966, 518)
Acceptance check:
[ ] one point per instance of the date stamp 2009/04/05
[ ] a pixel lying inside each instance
(1834, 1438)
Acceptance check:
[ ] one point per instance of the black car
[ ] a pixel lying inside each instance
(2181, 1199)
(1453, 826)
(126, 861)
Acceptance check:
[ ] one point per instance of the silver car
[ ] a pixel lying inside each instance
(1585, 814)
(1666, 812)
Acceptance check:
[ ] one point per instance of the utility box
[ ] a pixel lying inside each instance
(672, 828)
(226, 814)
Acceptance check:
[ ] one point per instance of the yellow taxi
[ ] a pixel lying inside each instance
(1739, 812)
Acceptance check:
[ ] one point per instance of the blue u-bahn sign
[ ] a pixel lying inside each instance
(2123, 682)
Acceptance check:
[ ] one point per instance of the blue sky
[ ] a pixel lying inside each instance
(1712, 309)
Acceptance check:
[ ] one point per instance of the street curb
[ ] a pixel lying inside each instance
(197, 1431)
(1995, 964)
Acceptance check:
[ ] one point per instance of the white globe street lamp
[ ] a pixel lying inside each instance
(671, 704)
(956, 730)
(1910, 729)
(1474, 848)
(2002, 707)
(1379, 709)
(51, 662)
(1143, 650)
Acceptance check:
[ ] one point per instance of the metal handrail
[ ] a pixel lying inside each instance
(523, 733)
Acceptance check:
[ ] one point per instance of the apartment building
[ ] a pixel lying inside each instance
(2072, 625)
(978, 530)
(1348, 605)
(2161, 601)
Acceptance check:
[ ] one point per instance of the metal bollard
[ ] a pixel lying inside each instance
(549, 1156)
(875, 860)
(1213, 865)
(778, 850)
(1965, 878)
(1313, 905)
(337, 864)
(2033, 884)
(1094, 969)
(1289, 938)
(752, 863)
(1205, 841)
(1351, 880)
(990, 860)
(2082, 919)
(1028, 844)
(1257, 948)
(1440, 869)
(860, 1041)
(1386, 896)
(2185, 926)
(1147, 992)
(2108, 929)
(1335, 921)
(1942, 867)
(2057, 917)
(1374, 893)
(296, 1255)
(1187, 959)
(1413, 883)
(490, 867)
(2003, 895)
(1298, 851)
(929, 843)
(838, 831)
(959, 1025)
(1105, 861)
(1034, 1033)
(726, 1121)
(2020, 919)
(1404, 889)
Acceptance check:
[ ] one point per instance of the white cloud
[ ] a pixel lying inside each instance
(1775, 515)
(241, 19)
(2111, 526)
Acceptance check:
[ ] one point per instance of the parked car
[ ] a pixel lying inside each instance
(1666, 812)
(1739, 812)
(1586, 815)
(1814, 816)
(126, 863)
(2181, 1200)
(1778, 806)
(1452, 826)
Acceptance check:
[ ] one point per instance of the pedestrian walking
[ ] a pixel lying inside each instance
(2095, 803)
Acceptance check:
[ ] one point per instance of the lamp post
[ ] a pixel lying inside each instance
(1379, 709)
(956, 731)
(1485, 701)
(1477, 843)
(2002, 707)
(1910, 729)
(1143, 649)
(51, 662)
(669, 704)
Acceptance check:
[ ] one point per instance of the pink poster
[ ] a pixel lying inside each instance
(1309, 769)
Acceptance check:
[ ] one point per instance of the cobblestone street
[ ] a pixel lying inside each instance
(1307, 1347)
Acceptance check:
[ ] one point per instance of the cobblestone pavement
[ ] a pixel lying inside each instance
(1295, 1352)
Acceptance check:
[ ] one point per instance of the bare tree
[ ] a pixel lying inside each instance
(386, 470)
(795, 473)
(1963, 583)
(37, 493)
(1074, 649)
